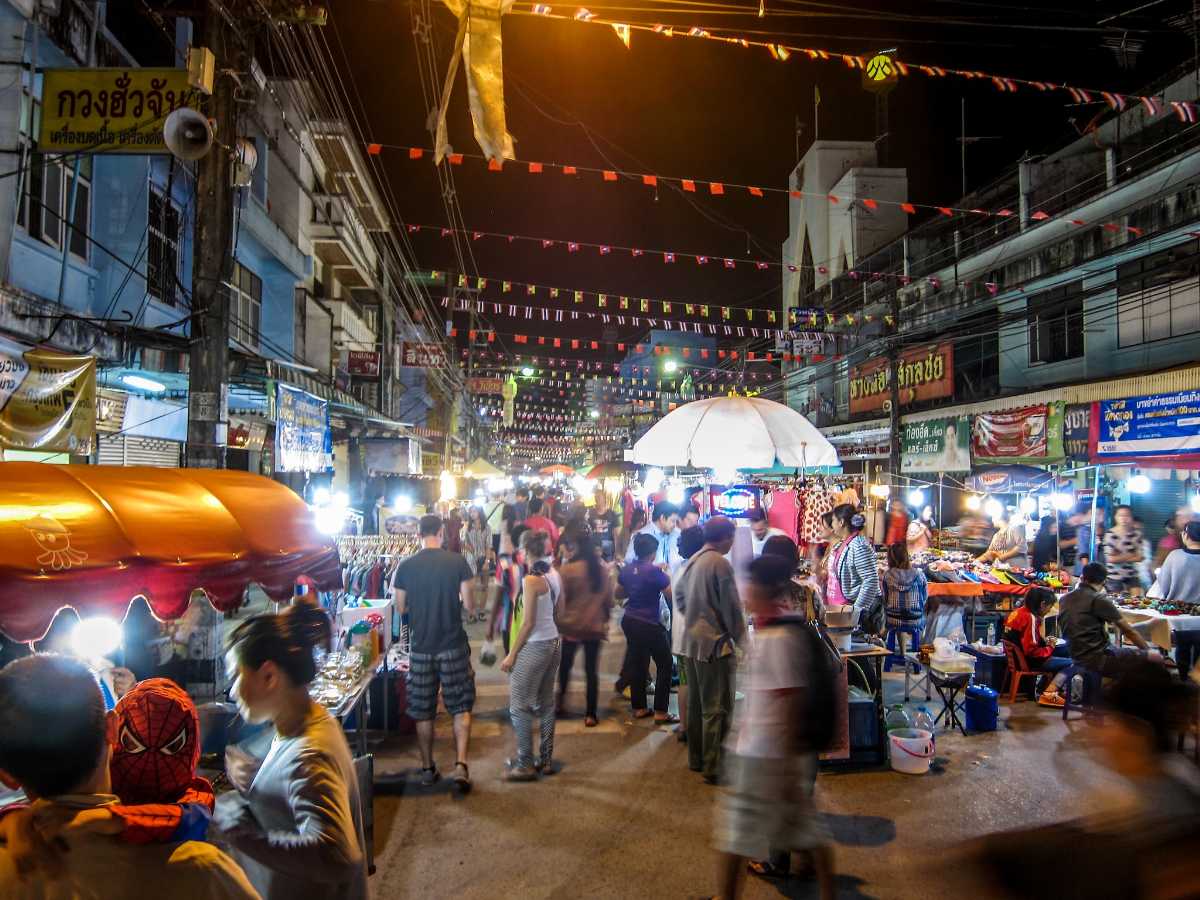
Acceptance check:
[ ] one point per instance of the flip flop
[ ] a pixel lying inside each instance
(643, 714)
(765, 869)
(668, 719)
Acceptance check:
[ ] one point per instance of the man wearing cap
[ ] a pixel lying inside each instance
(713, 624)
(1179, 579)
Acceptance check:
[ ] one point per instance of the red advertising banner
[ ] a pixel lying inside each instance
(925, 373)
(363, 362)
(485, 385)
(422, 356)
(1013, 433)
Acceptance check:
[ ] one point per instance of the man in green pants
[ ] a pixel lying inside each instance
(714, 623)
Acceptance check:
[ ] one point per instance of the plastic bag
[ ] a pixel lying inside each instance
(487, 654)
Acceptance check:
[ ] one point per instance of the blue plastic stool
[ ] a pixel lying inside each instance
(1092, 685)
(912, 630)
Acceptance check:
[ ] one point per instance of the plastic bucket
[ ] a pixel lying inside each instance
(911, 750)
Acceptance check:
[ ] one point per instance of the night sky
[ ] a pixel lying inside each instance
(715, 112)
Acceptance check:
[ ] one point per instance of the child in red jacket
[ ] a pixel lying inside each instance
(1025, 627)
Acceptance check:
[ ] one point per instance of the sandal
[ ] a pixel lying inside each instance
(430, 776)
(642, 713)
(765, 869)
(668, 719)
(462, 777)
(590, 722)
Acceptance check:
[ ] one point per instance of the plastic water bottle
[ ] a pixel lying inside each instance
(991, 635)
(897, 717)
(923, 720)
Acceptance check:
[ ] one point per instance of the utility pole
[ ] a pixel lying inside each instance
(894, 389)
(212, 266)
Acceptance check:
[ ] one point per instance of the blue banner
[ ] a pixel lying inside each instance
(1159, 425)
(303, 441)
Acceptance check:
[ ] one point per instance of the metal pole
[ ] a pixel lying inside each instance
(1092, 533)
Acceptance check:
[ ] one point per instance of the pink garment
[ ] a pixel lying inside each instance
(833, 587)
(782, 512)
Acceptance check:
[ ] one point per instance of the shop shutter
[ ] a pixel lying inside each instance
(1155, 507)
(125, 450)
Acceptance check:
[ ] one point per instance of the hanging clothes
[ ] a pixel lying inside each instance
(783, 512)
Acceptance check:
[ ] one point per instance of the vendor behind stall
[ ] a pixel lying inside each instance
(1009, 544)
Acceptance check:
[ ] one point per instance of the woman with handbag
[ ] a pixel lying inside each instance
(853, 572)
(583, 614)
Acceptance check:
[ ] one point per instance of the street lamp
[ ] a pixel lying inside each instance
(527, 371)
(670, 366)
(595, 413)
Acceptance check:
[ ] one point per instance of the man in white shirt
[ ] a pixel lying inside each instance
(664, 529)
(760, 531)
(53, 747)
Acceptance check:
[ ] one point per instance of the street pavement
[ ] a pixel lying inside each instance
(625, 818)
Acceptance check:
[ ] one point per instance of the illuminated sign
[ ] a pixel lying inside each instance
(880, 74)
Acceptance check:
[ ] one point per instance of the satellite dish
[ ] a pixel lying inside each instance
(188, 134)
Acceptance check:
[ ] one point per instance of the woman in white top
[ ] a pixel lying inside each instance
(533, 662)
(295, 821)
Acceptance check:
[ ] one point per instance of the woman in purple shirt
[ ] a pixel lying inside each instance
(643, 582)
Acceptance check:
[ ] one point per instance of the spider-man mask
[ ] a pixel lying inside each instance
(155, 743)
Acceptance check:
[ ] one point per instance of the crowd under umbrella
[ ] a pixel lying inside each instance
(730, 433)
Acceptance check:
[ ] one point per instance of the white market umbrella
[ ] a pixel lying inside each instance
(726, 433)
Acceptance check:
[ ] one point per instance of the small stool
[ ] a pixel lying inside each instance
(916, 675)
(895, 636)
(1092, 685)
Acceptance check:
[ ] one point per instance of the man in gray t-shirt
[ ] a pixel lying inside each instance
(1084, 616)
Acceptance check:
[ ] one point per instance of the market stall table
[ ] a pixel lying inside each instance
(876, 755)
(1158, 627)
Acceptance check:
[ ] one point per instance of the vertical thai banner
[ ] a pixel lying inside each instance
(936, 445)
(47, 400)
(303, 441)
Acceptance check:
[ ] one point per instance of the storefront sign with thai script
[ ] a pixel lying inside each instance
(363, 362)
(925, 373)
(303, 441)
(485, 385)
(1155, 426)
(936, 445)
(423, 356)
(111, 110)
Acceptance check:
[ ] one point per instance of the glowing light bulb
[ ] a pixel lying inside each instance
(1139, 484)
(96, 637)
(1062, 502)
(974, 502)
(1028, 505)
(994, 508)
(916, 497)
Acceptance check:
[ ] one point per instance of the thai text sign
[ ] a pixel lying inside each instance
(925, 373)
(1012, 433)
(423, 356)
(303, 442)
(47, 400)
(936, 445)
(1077, 422)
(111, 110)
(363, 362)
(1158, 425)
(485, 385)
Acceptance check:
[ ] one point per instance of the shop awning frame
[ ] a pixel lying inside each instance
(96, 537)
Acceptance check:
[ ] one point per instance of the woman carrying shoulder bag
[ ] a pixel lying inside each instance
(583, 614)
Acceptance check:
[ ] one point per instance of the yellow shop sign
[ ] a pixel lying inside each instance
(111, 110)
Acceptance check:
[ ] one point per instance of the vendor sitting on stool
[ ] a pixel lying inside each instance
(1084, 613)
(1025, 627)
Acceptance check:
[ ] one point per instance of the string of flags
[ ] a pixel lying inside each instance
(670, 257)
(715, 188)
(685, 353)
(725, 328)
(1153, 104)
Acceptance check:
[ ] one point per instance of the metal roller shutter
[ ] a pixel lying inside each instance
(1155, 507)
(125, 450)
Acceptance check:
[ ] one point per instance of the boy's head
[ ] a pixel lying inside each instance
(767, 592)
(645, 546)
(690, 541)
(52, 727)
(1094, 574)
(155, 741)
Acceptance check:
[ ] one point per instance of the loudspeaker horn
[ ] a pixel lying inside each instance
(188, 134)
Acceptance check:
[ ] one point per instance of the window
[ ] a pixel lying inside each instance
(258, 180)
(48, 185)
(1158, 296)
(1055, 320)
(162, 252)
(245, 305)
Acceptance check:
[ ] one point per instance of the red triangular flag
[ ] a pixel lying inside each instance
(413, 152)
(650, 180)
(1039, 216)
(494, 165)
(535, 168)
(610, 175)
(908, 208)
(833, 199)
(569, 170)
(869, 203)
(755, 192)
(689, 186)
(945, 211)
(376, 149)
(456, 159)
(716, 188)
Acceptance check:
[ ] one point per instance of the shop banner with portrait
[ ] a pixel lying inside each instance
(47, 400)
(1158, 428)
(303, 440)
(936, 445)
(1031, 434)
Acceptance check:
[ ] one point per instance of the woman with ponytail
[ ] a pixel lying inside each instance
(295, 821)
(853, 572)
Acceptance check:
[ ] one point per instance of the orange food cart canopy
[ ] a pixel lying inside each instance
(95, 537)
